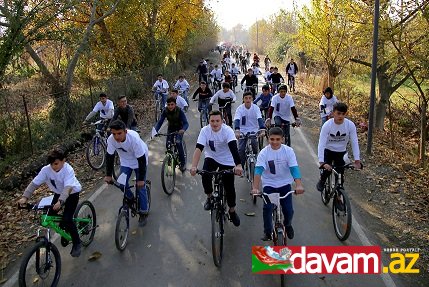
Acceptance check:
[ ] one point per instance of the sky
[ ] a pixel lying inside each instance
(232, 12)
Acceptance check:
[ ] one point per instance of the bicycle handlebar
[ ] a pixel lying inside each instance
(226, 171)
(120, 186)
(346, 166)
(251, 134)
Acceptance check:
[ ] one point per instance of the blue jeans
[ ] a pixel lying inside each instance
(179, 146)
(287, 208)
(324, 120)
(242, 148)
(163, 98)
(278, 121)
(141, 191)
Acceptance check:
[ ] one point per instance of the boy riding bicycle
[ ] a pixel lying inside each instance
(277, 168)
(59, 176)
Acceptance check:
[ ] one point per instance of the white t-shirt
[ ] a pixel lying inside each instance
(248, 118)
(180, 102)
(217, 74)
(56, 181)
(222, 95)
(276, 164)
(336, 137)
(256, 71)
(234, 71)
(328, 104)
(267, 76)
(292, 69)
(161, 86)
(106, 111)
(132, 148)
(216, 144)
(282, 106)
(182, 85)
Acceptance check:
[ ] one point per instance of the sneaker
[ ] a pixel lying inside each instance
(182, 168)
(234, 218)
(289, 231)
(75, 251)
(266, 237)
(142, 219)
(320, 186)
(208, 203)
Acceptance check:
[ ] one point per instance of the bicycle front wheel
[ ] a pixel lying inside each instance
(41, 266)
(86, 221)
(122, 229)
(157, 110)
(251, 175)
(217, 220)
(325, 194)
(96, 153)
(168, 174)
(116, 166)
(341, 215)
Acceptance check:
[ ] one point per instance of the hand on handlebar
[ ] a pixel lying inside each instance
(108, 179)
(22, 201)
(255, 191)
(238, 170)
(299, 189)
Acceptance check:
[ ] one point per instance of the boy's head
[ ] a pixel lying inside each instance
(181, 78)
(226, 72)
(250, 72)
(282, 90)
(103, 98)
(339, 112)
(247, 99)
(122, 101)
(171, 103)
(118, 130)
(174, 93)
(328, 92)
(215, 120)
(203, 85)
(160, 77)
(216, 66)
(265, 89)
(225, 87)
(56, 158)
(233, 65)
(271, 69)
(275, 70)
(275, 137)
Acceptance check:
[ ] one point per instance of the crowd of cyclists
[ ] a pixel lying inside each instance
(223, 145)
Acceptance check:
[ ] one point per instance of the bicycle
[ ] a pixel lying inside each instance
(223, 110)
(264, 112)
(129, 206)
(253, 89)
(204, 112)
(341, 208)
(96, 149)
(286, 136)
(278, 234)
(218, 214)
(158, 105)
(250, 162)
(170, 162)
(43, 260)
(291, 83)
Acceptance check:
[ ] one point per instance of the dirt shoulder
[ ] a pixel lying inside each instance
(390, 196)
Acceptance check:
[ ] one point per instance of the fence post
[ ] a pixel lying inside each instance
(28, 123)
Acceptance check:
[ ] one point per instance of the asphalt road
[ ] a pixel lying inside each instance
(174, 248)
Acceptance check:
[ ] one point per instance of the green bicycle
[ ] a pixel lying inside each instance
(41, 264)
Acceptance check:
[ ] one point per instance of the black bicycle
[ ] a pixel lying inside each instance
(204, 112)
(224, 111)
(129, 206)
(341, 208)
(219, 213)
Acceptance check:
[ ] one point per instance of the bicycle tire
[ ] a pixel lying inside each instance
(116, 166)
(94, 150)
(149, 198)
(202, 120)
(341, 209)
(251, 177)
(44, 268)
(185, 151)
(122, 229)
(86, 230)
(281, 241)
(260, 143)
(157, 110)
(168, 172)
(217, 236)
(325, 194)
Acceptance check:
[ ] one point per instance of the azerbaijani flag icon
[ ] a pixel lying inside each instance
(271, 259)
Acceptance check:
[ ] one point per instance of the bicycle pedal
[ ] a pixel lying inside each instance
(64, 242)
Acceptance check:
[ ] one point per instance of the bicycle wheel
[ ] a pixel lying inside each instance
(185, 151)
(217, 219)
(41, 265)
(326, 191)
(116, 166)
(148, 187)
(168, 174)
(121, 230)
(251, 175)
(260, 143)
(157, 110)
(281, 241)
(95, 153)
(341, 215)
(86, 221)
(202, 119)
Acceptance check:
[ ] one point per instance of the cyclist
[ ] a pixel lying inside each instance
(247, 119)
(267, 62)
(291, 70)
(202, 72)
(125, 113)
(160, 87)
(105, 107)
(327, 104)
(177, 122)
(60, 178)
(216, 74)
(183, 85)
(277, 168)
(134, 156)
(243, 62)
(275, 78)
(220, 150)
(268, 74)
(250, 80)
(204, 95)
(180, 102)
(223, 97)
(227, 78)
(255, 59)
(334, 137)
(256, 70)
(265, 98)
(281, 106)
(234, 71)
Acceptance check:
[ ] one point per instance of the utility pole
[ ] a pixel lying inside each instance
(257, 35)
(373, 76)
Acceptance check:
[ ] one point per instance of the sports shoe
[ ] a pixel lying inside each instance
(208, 203)
(289, 231)
(234, 218)
(320, 186)
(182, 168)
(75, 251)
(142, 219)
(266, 237)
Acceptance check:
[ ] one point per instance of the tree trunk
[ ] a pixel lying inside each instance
(423, 134)
(382, 104)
